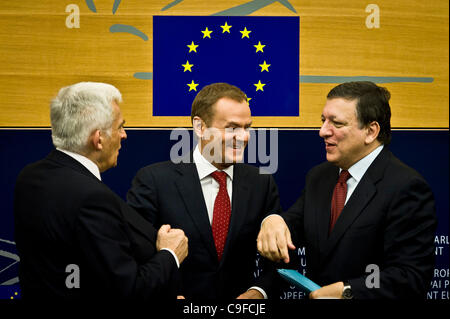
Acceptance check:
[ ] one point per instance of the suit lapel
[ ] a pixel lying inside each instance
(355, 205)
(239, 205)
(360, 198)
(190, 190)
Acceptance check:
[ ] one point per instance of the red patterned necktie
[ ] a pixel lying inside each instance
(222, 213)
(339, 195)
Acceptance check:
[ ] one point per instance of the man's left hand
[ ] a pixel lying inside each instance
(331, 291)
(251, 294)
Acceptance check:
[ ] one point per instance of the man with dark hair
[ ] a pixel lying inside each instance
(218, 202)
(361, 213)
(372, 104)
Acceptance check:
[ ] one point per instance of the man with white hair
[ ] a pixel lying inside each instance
(75, 237)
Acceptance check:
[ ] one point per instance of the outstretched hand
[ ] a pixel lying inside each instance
(274, 239)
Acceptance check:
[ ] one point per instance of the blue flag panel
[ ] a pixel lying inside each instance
(260, 55)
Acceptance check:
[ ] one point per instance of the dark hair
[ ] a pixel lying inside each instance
(372, 104)
(209, 95)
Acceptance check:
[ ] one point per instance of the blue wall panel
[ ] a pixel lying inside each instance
(298, 151)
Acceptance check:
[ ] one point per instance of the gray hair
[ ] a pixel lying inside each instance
(80, 109)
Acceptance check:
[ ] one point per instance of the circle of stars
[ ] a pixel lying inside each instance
(187, 67)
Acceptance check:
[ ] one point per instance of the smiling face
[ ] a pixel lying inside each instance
(227, 133)
(345, 142)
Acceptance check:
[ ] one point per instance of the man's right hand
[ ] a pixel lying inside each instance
(173, 239)
(274, 239)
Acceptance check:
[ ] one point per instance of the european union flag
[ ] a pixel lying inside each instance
(260, 55)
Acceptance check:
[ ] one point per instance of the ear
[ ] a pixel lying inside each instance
(372, 131)
(97, 140)
(198, 126)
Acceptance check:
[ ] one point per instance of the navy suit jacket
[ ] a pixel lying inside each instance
(64, 215)
(168, 193)
(389, 221)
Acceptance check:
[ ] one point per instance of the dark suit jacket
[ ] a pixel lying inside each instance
(389, 221)
(65, 215)
(168, 193)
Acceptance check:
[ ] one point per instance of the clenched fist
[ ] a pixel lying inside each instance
(173, 239)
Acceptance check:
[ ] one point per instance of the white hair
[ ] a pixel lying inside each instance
(80, 109)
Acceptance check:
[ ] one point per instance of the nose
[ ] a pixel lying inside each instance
(123, 134)
(325, 130)
(241, 134)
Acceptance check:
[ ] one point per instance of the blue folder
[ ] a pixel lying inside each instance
(298, 280)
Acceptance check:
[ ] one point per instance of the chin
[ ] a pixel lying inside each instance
(234, 158)
(332, 159)
(114, 164)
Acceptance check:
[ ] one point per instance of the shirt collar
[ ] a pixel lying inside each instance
(205, 168)
(83, 160)
(358, 169)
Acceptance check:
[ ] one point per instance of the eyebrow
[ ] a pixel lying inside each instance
(237, 124)
(332, 118)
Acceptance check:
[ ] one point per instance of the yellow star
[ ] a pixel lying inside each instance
(192, 86)
(248, 100)
(206, 33)
(225, 28)
(264, 66)
(259, 86)
(259, 46)
(192, 47)
(187, 66)
(245, 33)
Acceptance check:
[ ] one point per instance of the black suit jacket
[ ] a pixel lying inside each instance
(168, 193)
(65, 215)
(388, 221)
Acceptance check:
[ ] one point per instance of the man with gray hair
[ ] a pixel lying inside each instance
(75, 237)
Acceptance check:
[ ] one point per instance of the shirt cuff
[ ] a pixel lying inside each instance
(260, 290)
(173, 254)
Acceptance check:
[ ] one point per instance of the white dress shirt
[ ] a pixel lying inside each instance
(358, 170)
(210, 188)
(93, 168)
(83, 160)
